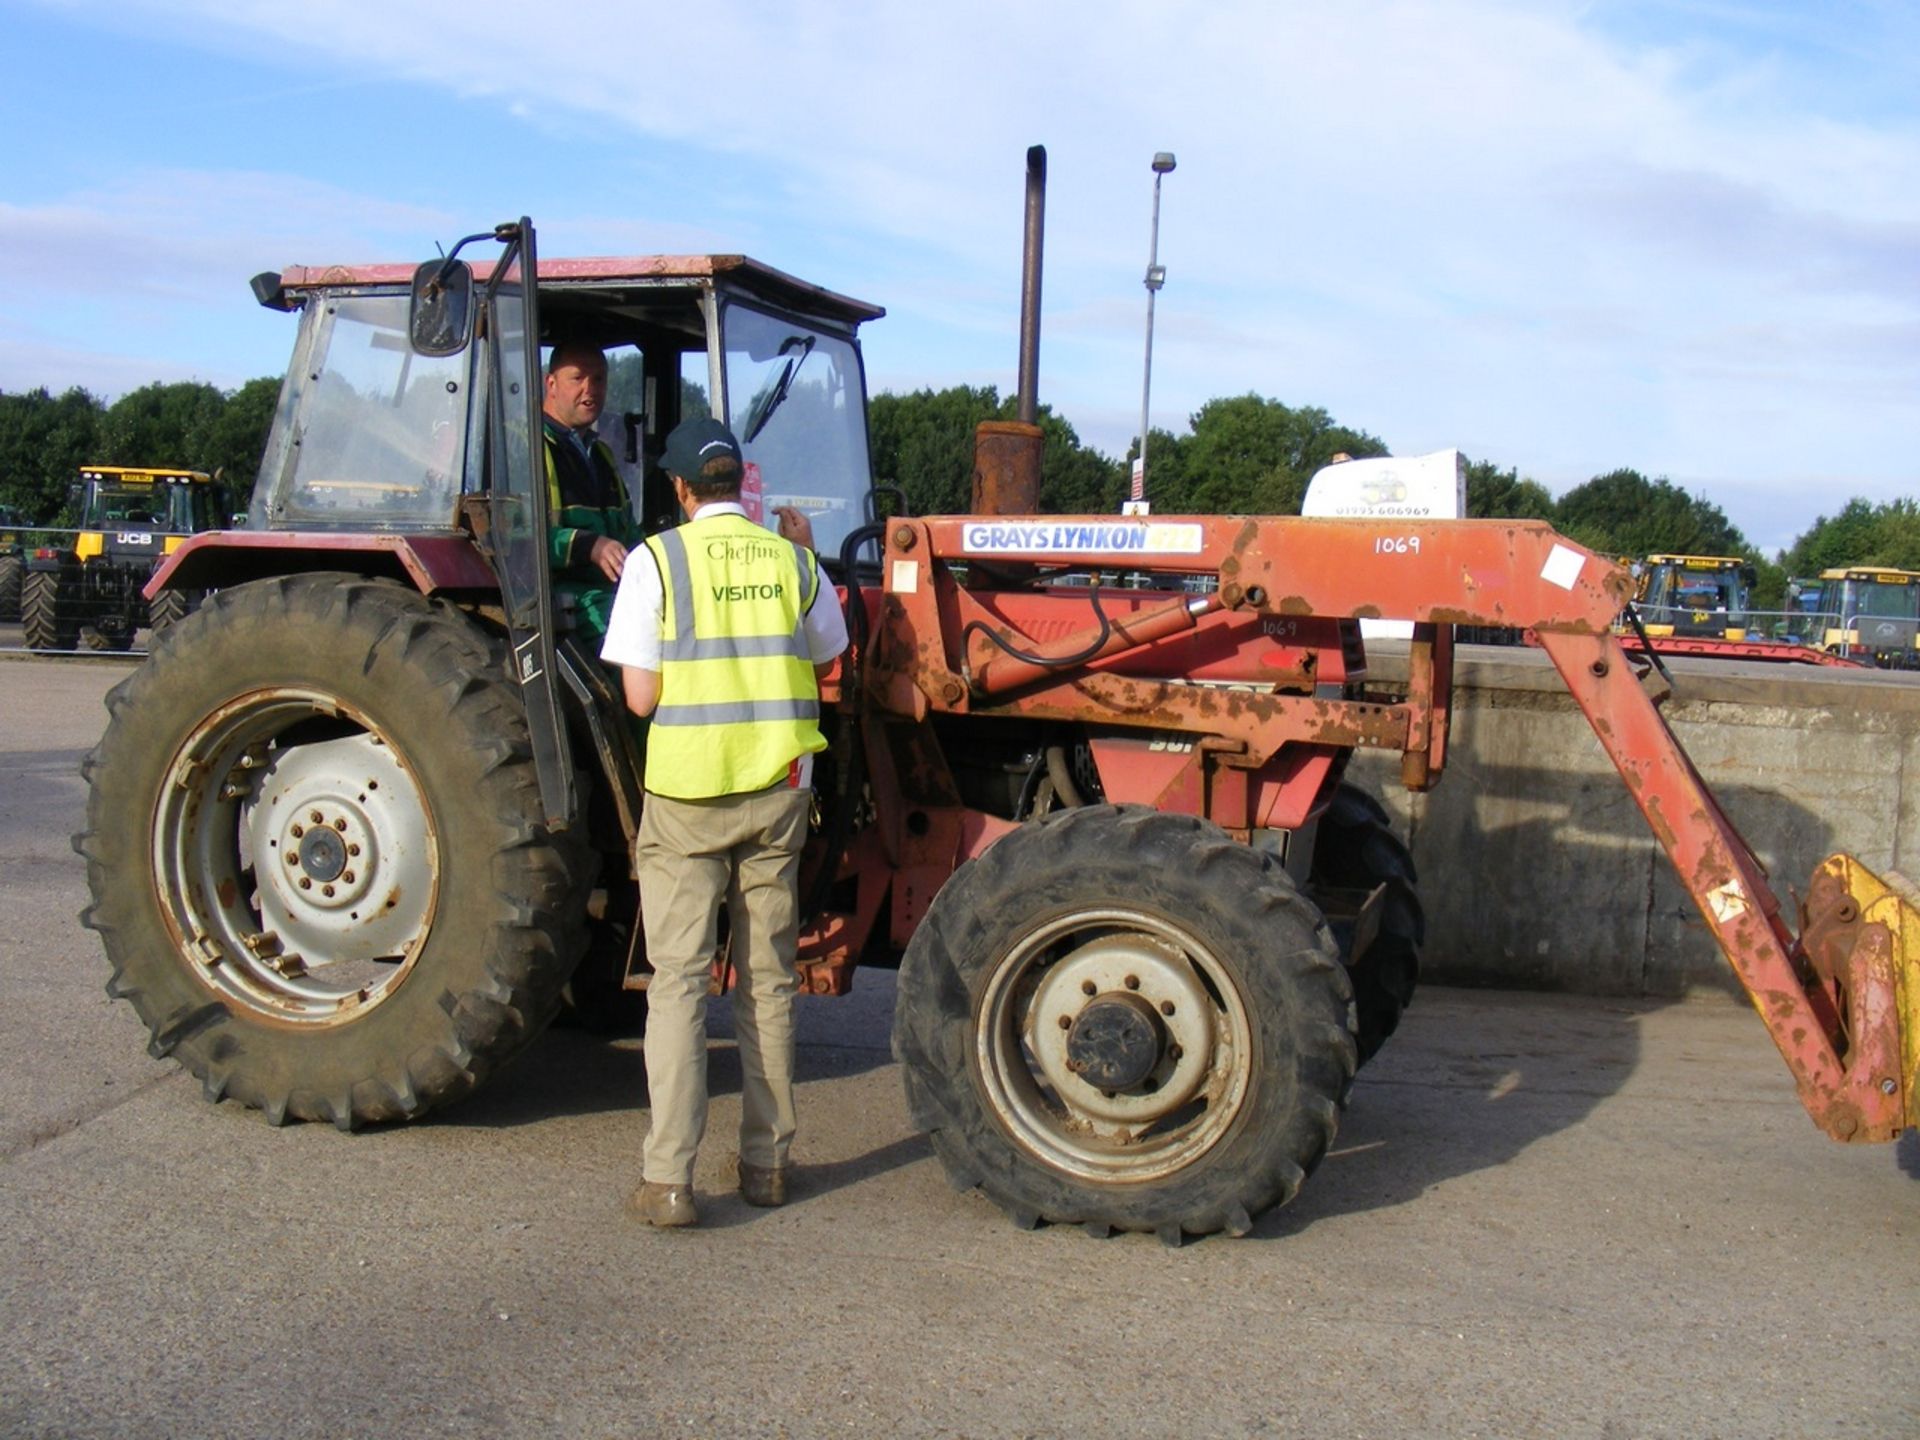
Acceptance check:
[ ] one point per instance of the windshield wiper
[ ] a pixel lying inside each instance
(768, 400)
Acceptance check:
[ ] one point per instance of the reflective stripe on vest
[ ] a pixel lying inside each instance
(738, 699)
(556, 502)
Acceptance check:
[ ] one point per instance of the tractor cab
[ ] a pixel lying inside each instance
(1704, 595)
(374, 434)
(1872, 615)
(113, 500)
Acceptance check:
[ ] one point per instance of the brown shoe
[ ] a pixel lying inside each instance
(664, 1206)
(763, 1185)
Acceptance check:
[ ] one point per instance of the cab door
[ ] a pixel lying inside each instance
(516, 479)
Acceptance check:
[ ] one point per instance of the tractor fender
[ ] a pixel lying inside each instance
(433, 564)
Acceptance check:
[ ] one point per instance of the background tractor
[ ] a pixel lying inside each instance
(13, 567)
(360, 820)
(129, 521)
(1705, 595)
(1871, 615)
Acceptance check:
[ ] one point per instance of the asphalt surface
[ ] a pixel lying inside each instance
(1544, 1216)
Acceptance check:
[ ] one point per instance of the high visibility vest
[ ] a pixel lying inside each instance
(738, 699)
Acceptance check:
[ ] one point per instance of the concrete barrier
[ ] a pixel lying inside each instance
(1537, 869)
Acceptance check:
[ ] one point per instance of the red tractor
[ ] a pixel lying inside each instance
(362, 819)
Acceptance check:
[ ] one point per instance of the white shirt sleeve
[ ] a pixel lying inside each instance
(633, 629)
(825, 623)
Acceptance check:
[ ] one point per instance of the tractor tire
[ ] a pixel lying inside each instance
(1122, 1019)
(11, 574)
(1356, 852)
(317, 855)
(596, 998)
(44, 625)
(169, 607)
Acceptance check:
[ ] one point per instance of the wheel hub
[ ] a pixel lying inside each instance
(1123, 1031)
(1115, 1042)
(323, 854)
(343, 851)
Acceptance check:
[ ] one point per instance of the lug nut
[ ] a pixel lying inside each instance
(305, 883)
(353, 849)
(298, 832)
(317, 818)
(1133, 982)
(1166, 1007)
(348, 877)
(326, 890)
(1066, 1022)
(292, 859)
(1087, 987)
(341, 823)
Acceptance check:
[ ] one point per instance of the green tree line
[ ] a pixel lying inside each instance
(1249, 454)
(45, 439)
(1240, 454)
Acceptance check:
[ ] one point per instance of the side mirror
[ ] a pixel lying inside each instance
(441, 316)
(268, 290)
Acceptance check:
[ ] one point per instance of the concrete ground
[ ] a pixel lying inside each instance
(1543, 1216)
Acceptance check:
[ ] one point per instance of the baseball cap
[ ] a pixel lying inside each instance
(694, 443)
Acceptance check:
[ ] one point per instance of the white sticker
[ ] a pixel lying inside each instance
(1081, 538)
(1562, 567)
(1728, 903)
(906, 577)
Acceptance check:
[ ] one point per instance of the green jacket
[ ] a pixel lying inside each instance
(585, 500)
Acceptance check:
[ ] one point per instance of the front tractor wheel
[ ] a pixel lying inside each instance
(1123, 1019)
(317, 856)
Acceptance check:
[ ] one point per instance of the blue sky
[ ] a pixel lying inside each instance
(1683, 237)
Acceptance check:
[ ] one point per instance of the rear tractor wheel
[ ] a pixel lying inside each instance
(12, 572)
(45, 623)
(1364, 879)
(170, 607)
(1123, 1019)
(317, 855)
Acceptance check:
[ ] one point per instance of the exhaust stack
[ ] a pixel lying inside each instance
(1006, 453)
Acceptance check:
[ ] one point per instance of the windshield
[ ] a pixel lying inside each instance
(118, 504)
(1697, 589)
(376, 430)
(797, 401)
(1872, 597)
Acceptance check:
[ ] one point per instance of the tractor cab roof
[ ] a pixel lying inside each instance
(596, 295)
(1878, 574)
(145, 474)
(1698, 562)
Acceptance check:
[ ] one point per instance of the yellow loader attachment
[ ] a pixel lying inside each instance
(1861, 936)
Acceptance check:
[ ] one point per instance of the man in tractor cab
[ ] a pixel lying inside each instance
(724, 631)
(593, 526)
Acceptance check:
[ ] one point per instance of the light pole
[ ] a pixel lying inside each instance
(1156, 277)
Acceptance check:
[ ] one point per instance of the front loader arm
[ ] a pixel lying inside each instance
(1841, 999)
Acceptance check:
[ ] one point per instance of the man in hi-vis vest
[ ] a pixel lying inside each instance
(723, 629)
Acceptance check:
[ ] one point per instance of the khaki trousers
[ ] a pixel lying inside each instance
(742, 851)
